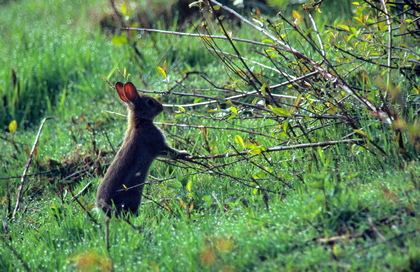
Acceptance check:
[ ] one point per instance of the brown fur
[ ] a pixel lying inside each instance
(121, 189)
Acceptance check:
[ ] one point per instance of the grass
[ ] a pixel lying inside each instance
(338, 208)
(239, 237)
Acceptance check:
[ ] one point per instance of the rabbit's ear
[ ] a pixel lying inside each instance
(130, 92)
(120, 90)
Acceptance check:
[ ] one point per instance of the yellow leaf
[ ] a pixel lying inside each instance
(91, 261)
(124, 9)
(205, 38)
(161, 71)
(257, 150)
(134, 25)
(250, 145)
(91, 206)
(28, 153)
(296, 15)
(344, 27)
(359, 19)
(297, 102)
(239, 140)
(13, 126)
(183, 204)
(224, 244)
(267, 41)
(360, 132)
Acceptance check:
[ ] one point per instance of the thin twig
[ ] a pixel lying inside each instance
(222, 128)
(389, 57)
(278, 148)
(321, 45)
(83, 207)
(28, 164)
(287, 48)
(115, 13)
(203, 36)
(383, 241)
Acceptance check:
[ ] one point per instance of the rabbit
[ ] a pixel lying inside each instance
(121, 189)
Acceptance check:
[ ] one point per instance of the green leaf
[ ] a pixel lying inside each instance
(208, 201)
(119, 40)
(13, 126)
(207, 198)
(189, 186)
(257, 150)
(280, 111)
(259, 175)
(239, 140)
(263, 88)
(385, 72)
(318, 185)
(285, 126)
(183, 179)
(197, 100)
(282, 135)
(63, 97)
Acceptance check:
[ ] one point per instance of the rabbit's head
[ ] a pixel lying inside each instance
(141, 106)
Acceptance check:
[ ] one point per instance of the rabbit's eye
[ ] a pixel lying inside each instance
(150, 102)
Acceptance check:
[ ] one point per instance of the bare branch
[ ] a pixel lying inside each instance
(28, 164)
(279, 148)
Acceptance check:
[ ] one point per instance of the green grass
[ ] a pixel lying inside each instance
(338, 208)
(237, 236)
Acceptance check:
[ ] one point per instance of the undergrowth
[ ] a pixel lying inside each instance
(304, 136)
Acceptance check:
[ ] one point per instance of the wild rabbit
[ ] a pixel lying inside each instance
(121, 189)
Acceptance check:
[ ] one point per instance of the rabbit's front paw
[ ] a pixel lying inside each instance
(182, 154)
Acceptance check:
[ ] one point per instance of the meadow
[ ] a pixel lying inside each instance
(303, 128)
